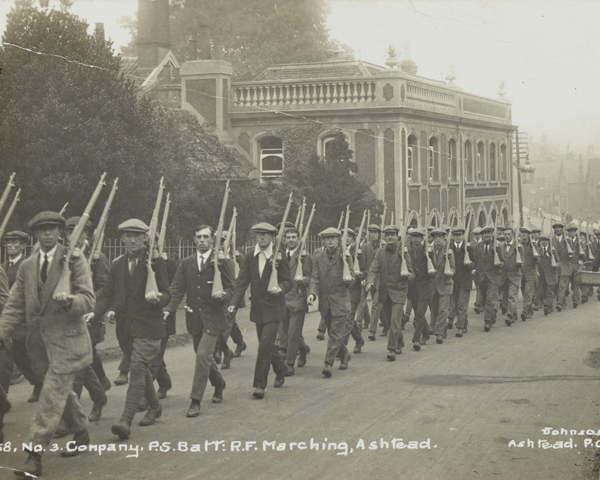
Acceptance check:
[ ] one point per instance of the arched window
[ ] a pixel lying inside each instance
(493, 176)
(480, 161)
(469, 160)
(452, 161)
(412, 159)
(434, 160)
(271, 158)
(503, 163)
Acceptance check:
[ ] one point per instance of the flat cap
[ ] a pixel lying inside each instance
(536, 230)
(558, 224)
(391, 228)
(47, 218)
(350, 231)
(458, 231)
(524, 230)
(73, 221)
(330, 232)
(264, 227)
(17, 235)
(374, 228)
(415, 232)
(287, 225)
(477, 231)
(572, 227)
(437, 231)
(543, 236)
(487, 228)
(133, 225)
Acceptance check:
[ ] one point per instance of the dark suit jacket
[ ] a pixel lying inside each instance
(207, 314)
(11, 272)
(421, 284)
(510, 269)
(171, 323)
(135, 316)
(442, 283)
(463, 276)
(529, 268)
(327, 283)
(264, 307)
(390, 281)
(99, 269)
(565, 265)
(484, 265)
(295, 299)
(549, 274)
(57, 338)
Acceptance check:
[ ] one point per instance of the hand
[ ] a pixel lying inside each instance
(189, 309)
(474, 272)
(63, 298)
(153, 297)
(219, 296)
(310, 299)
(275, 291)
(368, 287)
(76, 252)
(165, 315)
(110, 316)
(231, 309)
(89, 318)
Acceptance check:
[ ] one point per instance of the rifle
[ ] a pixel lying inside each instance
(358, 238)
(98, 237)
(163, 228)
(447, 267)
(9, 213)
(392, 219)
(467, 258)
(403, 267)
(519, 259)
(64, 282)
(382, 224)
(299, 276)
(236, 267)
(497, 262)
(587, 234)
(297, 222)
(346, 275)
(341, 221)
(151, 285)
(63, 209)
(301, 226)
(217, 287)
(581, 250)
(7, 190)
(229, 234)
(273, 282)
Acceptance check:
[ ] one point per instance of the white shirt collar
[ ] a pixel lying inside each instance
(267, 251)
(16, 259)
(205, 255)
(292, 252)
(49, 255)
(458, 245)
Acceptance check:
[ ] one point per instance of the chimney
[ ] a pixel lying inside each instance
(192, 49)
(205, 42)
(219, 54)
(99, 31)
(154, 33)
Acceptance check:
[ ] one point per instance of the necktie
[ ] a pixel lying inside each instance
(132, 264)
(44, 273)
(487, 250)
(262, 261)
(11, 263)
(202, 261)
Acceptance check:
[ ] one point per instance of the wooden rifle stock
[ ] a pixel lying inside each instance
(346, 275)
(356, 247)
(467, 232)
(302, 250)
(341, 221)
(64, 282)
(229, 234)
(403, 267)
(382, 224)
(217, 287)
(497, 262)
(163, 228)
(552, 259)
(236, 267)
(300, 227)
(11, 209)
(63, 209)
(7, 190)
(151, 285)
(273, 282)
(98, 237)
(447, 266)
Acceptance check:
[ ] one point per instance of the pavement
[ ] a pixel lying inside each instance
(475, 407)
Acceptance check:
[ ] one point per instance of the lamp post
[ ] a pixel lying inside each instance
(527, 169)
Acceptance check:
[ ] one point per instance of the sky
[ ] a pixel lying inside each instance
(546, 51)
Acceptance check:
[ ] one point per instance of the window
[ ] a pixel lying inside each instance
(503, 164)
(452, 161)
(434, 160)
(271, 158)
(493, 162)
(469, 160)
(412, 157)
(481, 161)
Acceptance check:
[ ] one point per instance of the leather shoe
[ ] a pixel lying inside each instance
(486, 328)
(327, 371)
(320, 336)
(122, 430)
(143, 406)
(450, 324)
(344, 362)
(523, 317)
(391, 356)
(558, 308)
(162, 393)
(35, 395)
(32, 466)
(439, 339)
(575, 304)
(546, 310)
(240, 348)
(399, 348)
(80, 438)
(358, 346)
(218, 395)
(194, 410)
(217, 358)
(384, 333)
(151, 415)
(289, 371)
(302, 359)
(508, 322)
(279, 380)
(459, 333)
(96, 412)
(105, 382)
(417, 346)
(259, 393)
(372, 336)
(477, 310)
(227, 360)
(121, 379)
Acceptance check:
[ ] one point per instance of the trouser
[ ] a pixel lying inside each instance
(141, 353)
(440, 306)
(419, 303)
(356, 331)
(489, 294)
(87, 378)
(267, 354)
(394, 312)
(510, 292)
(527, 289)
(459, 305)
(377, 313)
(563, 285)
(126, 347)
(57, 400)
(97, 364)
(236, 333)
(158, 368)
(206, 368)
(479, 300)
(322, 327)
(289, 336)
(6, 368)
(363, 316)
(23, 362)
(548, 292)
(538, 300)
(337, 327)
